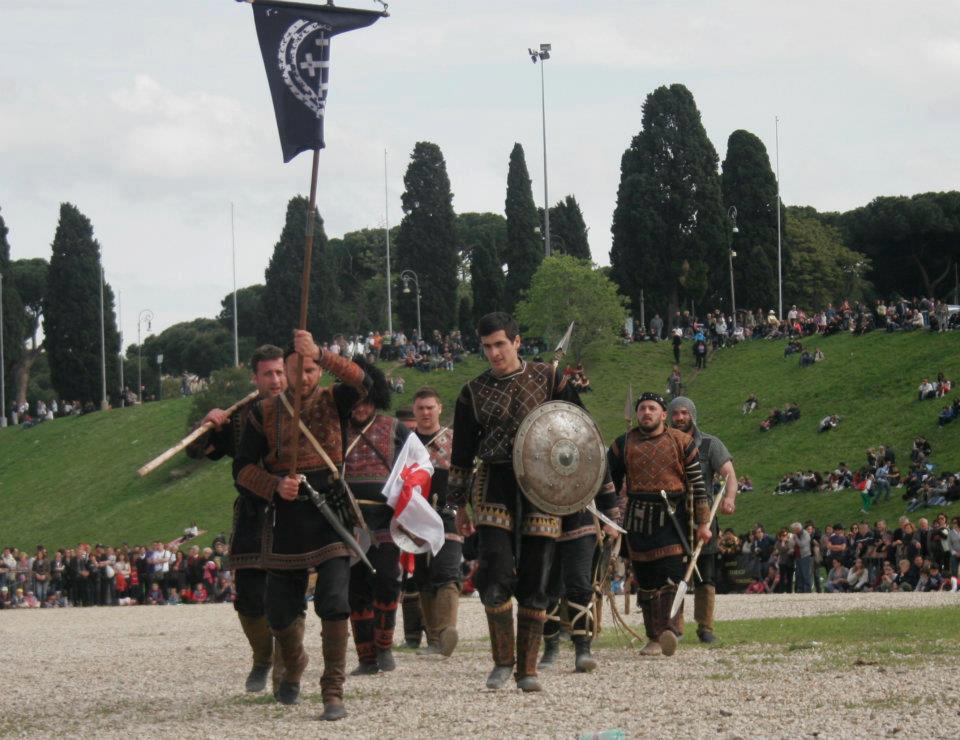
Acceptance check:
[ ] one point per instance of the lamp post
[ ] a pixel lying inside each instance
(160, 377)
(3, 366)
(406, 276)
(732, 213)
(543, 55)
(776, 120)
(145, 315)
(233, 251)
(123, 399)
(103, 350)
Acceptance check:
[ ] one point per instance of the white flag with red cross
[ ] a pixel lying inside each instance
(416, 527)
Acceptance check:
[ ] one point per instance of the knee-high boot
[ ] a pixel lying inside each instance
(362, 623)
(258, 635)
(384, 624)
(334, 638)
(290, 641)
(647, 600)
(416, 618)
(551, 637)
(529, 633)
(665, 627)
(500, 624)
(581, 630)
(445, 606)
(704, 599)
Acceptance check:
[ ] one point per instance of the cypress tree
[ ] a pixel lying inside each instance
(13, 317)
(749, 184)
(524, 248)
(71, 316)
(427, 243)
(280, 301)
(568, 230)
(482, 237)
(670, 230)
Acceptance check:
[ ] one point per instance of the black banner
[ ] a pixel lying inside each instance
(295, 43)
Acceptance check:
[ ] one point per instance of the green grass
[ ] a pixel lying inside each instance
(75, 479)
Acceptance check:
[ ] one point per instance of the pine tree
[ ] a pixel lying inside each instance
(749, 184)
(524, 248)
(71, 316)
(670, 230)
(280, 307)
(13, 317)
(568, 230)
(427, 243)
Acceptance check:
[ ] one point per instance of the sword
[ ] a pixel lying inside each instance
(320, 501)
(592, 508)
(680, 534)
(562, 346)
(684, 585)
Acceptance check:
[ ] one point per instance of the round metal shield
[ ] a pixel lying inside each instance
(558, 457)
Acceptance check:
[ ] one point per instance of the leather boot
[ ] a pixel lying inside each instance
(334, 638)
(666, 634)
(428, 606)
(261, 644)
(704, 599)
(445, 606)
(362, 624)
(646, 601)
(529, 634)
(551, 637)
(384, 624)
(500, 624)
(416, 619)
(276, 675)
(290, 641)
(581, 630)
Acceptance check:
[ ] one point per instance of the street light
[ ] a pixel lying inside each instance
(160, 377)
(732, 213)
(406, 276)
(103, 350)
(145, 315)
(543, 55)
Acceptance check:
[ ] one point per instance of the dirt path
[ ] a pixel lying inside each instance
(178, 672)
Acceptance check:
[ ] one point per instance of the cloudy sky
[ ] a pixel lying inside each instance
(152, 117)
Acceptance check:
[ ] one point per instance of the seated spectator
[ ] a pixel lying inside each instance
(806, 359)
(750, 405)
(921, 451)
(944, 385)
(949, 413)
(200, 594)
(793, 347)
(887, 580)
(818, 355)
(828, 422)
(837, 578)
(744, 484)
(771, 421)
(858, 578)
(791, 412)
(173, 597)
(155, 595)
(935, 580)
(927, 390)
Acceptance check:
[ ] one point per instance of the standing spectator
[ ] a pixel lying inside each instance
(41, 574)
(677, 340)
(656, 328)
(783, 551)
(803, 558)
(58, 569)
(675, 383)
(954, 539)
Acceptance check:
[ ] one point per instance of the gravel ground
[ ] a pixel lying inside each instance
(147, 672)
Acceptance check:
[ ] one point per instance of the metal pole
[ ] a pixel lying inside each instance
(103, 350)
(419, 330)
(776, 120)
(233, 249)
(3, 366)
(733, 297)
(546, 197)
(386, 232)
(160, 378)
(643, 310)
(139, 362)
(120, 337)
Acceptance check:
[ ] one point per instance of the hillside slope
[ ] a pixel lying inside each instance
(75, 479)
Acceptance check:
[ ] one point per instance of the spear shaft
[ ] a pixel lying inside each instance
(304, 302)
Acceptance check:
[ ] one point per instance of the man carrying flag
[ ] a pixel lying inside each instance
(438, 575)
(371, 443)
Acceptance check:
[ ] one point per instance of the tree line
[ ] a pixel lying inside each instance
(671, 247)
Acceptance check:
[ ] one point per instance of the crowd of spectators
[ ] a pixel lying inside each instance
(100, 575)
(802, 558)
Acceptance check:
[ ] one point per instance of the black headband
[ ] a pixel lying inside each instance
(648, 396)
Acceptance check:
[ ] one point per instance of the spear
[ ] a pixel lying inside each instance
(628, 418)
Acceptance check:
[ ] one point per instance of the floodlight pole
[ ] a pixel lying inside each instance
(776, 120)
(233, 249)
(103, 350)
(542, 55)
(3, 366)
(386, 232)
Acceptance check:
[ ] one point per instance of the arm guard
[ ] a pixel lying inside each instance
(458, 486)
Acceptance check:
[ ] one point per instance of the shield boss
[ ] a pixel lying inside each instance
(558, 457)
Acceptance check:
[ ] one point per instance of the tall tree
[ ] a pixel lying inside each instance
(427, 241)
(750, 185)
(822, 268)
(249, 308)
(481, 238)
(670, 231)
(280, 308)
(13, 316)
(566, 289)
(913, 242)
(568, 230)
(199, 346)
(361, 260)
(71, 315)
(524, 248)
(30, 278)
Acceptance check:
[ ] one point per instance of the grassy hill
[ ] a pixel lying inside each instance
(75, 479)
